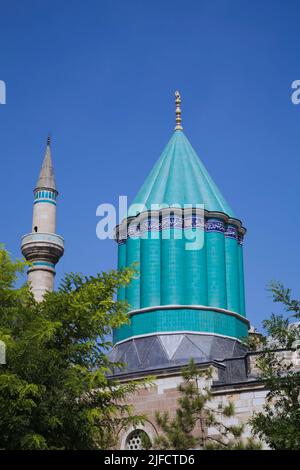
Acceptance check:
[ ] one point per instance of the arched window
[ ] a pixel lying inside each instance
(137, 440)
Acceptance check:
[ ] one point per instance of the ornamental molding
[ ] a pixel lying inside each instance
(179, 332)
(189, 307)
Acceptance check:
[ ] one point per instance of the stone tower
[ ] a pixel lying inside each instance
(185, 302)
(43, 247)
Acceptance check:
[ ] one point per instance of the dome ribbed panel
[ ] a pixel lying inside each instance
(179, 177)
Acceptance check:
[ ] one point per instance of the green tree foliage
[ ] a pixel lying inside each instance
(54, 390)
(279, 422)
(194, 416)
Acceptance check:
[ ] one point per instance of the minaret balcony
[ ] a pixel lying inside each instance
(48, 246)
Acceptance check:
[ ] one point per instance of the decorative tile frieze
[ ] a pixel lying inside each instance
(156, 224)
(193, 222)
(214, 225)
(231, 232)
(134, 230)
(172, 221)
(150, 225)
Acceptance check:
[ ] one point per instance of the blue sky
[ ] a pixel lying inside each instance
(100, 76)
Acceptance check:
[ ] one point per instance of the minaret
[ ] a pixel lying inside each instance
(43, 247)
(186, 302)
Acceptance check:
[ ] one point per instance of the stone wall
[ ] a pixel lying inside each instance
(248, 395)
(163, 396)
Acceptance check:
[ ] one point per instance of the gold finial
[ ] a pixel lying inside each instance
(178, 111)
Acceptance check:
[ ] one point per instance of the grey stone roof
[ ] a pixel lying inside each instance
(46, 178)
(157, 352)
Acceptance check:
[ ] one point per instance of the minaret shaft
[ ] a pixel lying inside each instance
(44, 217)
(41, 281)
(43, 247)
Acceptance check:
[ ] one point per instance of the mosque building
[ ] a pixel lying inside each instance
(188, 297)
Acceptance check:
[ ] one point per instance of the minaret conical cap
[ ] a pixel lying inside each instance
(46, 177)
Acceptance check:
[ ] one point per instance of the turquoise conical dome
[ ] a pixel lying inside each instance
(180, 178)
(183, 292)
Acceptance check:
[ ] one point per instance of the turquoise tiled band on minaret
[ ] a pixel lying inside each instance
(45, 196)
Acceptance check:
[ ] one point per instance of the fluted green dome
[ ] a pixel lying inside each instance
(187, 298)
(179, 177)
(179, 288)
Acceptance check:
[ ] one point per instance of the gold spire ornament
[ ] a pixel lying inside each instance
(178, 112)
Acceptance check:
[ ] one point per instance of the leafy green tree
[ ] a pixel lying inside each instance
(279, 422)
(54, 389)
(194, 416)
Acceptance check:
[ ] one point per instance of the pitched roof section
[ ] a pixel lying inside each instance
(179, 177)
(46, 178)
